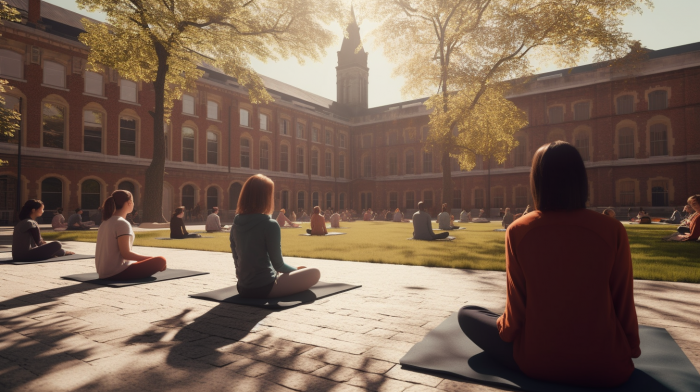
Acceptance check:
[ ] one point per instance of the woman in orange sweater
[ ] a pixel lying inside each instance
(318, 224)
(570, 315)
(694, 224)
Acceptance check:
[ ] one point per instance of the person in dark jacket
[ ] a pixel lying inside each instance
(257, 249)
(177, 225)
(27, 244)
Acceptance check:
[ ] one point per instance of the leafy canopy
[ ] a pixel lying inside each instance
(9, 119)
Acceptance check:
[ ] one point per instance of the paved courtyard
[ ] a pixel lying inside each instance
(62, 335)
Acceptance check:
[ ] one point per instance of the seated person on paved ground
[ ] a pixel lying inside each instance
(423, 226)
(609, 212)
(283, 221)
(214, 222)
(59, 222)
(398, 216)
(693, 232)
(114, 258)
(318, 224)
(443, 219)
(335, 221)
(465, 217)
(177, 225)
(675, 217)
(75, 221)
(27, 244)
(257, 249)
(570, 316)
(508, 218)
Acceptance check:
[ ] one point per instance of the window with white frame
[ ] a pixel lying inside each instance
(187, 144)
(244, 118)
(263, 121)
(264, 155)
(187, 104)
(329, 138)
(314, 135)
(53, 124)
(127, 90)
(300, 131)
(245, 153)
(284, 126)
(54, 74)
(212, 148)
(11, 64)
(284, 158)
(93, 83)
(92, 130)
(212, 110)
(127, 136)
(341, 140)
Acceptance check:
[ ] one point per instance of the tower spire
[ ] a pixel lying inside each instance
(352, 72)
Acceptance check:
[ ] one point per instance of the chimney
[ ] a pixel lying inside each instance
(34, 12)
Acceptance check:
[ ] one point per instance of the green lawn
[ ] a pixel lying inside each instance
(477, 247)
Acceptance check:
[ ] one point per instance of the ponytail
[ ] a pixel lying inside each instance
(26, 211)
(114, 203)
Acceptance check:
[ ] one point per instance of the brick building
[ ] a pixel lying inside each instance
(85, 134)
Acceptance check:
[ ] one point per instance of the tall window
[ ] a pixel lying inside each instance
(90, 195)
(51, 193)
(314, 199)
(54, 125)
(427, 162)
(393, 201)
(478, 198)
(457, 199)
(93, 83)
(625, 104)
(128, 91)
(627, 193)
(410, 162)
(127, 136)
(341, 166)
(234, 191)
(582, 145)
(300, 160)
(582, 111)
(428, 198)
(188, 196)
(14, 104)
(556, 114)
(188, 104)
(244, 120)
(300, 131)
(301, 202)
(187, 144)
(11, 64)
(658, 138)
(264, 155)
(410, 200)
(363, 201)
(314, 135)
(92, 131)
(329, 200)
(245, 153)
(626, 143)
(212, 198)
(263, 121)
(329, 164)
(520, 196)
(284, 158)
(367, 166)
(498, 198)
(341, 201)
(212, 110)
(54, 74)
(284, 202)
(329, 138)
(393, 164)
(659, 193)
(341, 140)
(314, 162)
(658, 100)
(284, 126)
(521, 152)
(212, 148)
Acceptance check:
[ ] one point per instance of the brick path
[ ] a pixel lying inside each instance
(62, 335)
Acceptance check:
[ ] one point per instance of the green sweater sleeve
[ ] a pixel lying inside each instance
(274, 248)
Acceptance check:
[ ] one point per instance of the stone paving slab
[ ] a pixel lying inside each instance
(61, 335)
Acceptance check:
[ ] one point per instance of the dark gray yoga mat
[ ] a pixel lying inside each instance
(450, 238)
(168, 238)
(311, 235)
(662, 367)
(168, 274)
(51, 260)
(320, 290)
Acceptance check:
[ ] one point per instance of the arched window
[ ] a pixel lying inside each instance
(521, 197)
(212, 148)
(264, 155)
(410, 162)
(658, 138)
(284, 158)
(314, 199)
(498, 198)
(393, 164)
(329, 200)
(54, 74)
(427, 162)
(659, 193)
(245, 153)
(626, 143)
(11, 64)
(54, 124)
(582, 142)
(93, 124)
(90, 197)
(52, 193)
(329, 164)
(314, 162)
(127, 136)
(625, 104)
(367, 166)
(188, 196)
(658, 100)
(341, 201)
(187, 144)
(478, 198)
(212, 198)
(300, 160)
(284, 200)
(301, 200)
(393, 201)
(127, 186)
(410, 200)
(234, 191)
(521, 152)
(341, 166)
(428, 199)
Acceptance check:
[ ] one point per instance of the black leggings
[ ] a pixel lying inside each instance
(479, 325)
(441, 236)
(43, 252)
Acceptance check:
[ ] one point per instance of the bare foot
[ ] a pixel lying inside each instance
(68, 253)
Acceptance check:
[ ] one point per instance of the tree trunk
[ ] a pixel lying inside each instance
(155, 174)
(447, 191)
(488, 189)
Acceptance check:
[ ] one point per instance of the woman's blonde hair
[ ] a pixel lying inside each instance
(257, 196)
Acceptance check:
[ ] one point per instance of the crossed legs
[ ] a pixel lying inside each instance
(294, 282)
(479, 325)
(141, 269)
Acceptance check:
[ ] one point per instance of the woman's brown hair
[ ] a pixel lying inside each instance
(317, 210)
(694, 198)
(178, 211)
(558, 178)
(444, 207)
(257, 196)
(115, 202)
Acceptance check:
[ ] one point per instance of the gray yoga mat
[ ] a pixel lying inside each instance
(499, 230)
(320, 290)
(450, 238)
(310, 235)
(168, 274)
(51, 260)
(168, 238)
(662, 367)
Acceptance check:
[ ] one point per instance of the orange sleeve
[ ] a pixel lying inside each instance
(694, 229)
(622, 291)
(512, 320)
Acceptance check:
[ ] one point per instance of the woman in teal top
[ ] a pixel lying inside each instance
(257, 250)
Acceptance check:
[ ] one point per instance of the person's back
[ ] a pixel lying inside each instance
(463, 217)
(213, 222)
(443, 220)
(58, 222)
(335, 221)
(177, 228)
(75, 220)
(318, 225)
(508, 218)
(422, 226)
(398, 216)
(108, 258)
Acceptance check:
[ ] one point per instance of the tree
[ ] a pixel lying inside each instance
(465, 48)
(9, 118)
(164, 41)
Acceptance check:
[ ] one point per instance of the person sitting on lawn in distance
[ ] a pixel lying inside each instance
(570, 316)
(283, 221)
(508, 218)
(318, 223)
(75, 221)
(688, 216)
(214, 222)
(293, 217)
(444, 221)
(114, 258)
(675, 217)
(335, 220)
(693, 223)
(609, 212)
(423, 226)
(465, 217)
(177, 225)
(27, 244)
(59, 221)
(256, 245)
(398, 216)
(367, 215)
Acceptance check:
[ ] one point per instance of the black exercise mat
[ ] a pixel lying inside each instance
(662, 367)
(320, 290)
(168, 274)
(190, 238)
(326, 235)
(51, 260)
(450, 238)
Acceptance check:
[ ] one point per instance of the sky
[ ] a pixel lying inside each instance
(670, 23)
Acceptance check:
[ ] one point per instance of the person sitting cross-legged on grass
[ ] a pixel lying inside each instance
(398, 216)
(75, 221)
(256, 244)
(283, 221)
(59, 222)
(177, 225)
(214, 222)
(444, 221)
(570, 316)
(318, 223)
(465, 217)
(423, 227)
(335, 220)
(27, 244)
(676, 217)
(114, 258)
(693, 231)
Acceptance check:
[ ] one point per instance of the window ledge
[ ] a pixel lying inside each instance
(264, 130)
(189, 115)
(95, 95)
(282, 134)
(13, 78)
(56, 87)
(130, 102)
(245, 126)
(214, 120)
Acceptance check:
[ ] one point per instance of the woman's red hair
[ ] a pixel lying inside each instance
(257, 196)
